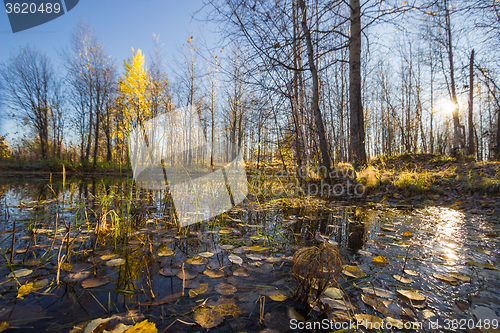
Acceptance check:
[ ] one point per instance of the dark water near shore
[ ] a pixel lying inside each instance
(133, 259)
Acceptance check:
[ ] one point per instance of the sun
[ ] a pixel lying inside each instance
(447, 106)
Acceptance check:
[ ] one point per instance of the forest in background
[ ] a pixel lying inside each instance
(303, 83)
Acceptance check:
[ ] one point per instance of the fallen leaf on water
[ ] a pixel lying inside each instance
(487, 266)
(94, 282)
(387, 229)
(293, 314)
(410, 272)
(169, 272)
(428, 314)
(226, 307)
(32, 286)
(77, 276)
(165, 253)
(480, 249)
(394, 322)
(368, 321)
(241, 272)
(402, 279)
(21, 272)
(197, 261)
(95, 323)
(380, 260)
(198, 291)
(256, 248)
(375, 303)
(143, 327)
(215, 274)
(273, 259)
(235, 259)
(352, 271)
(407, 234)
(255, 256)
(115, 262)
(226, 246)
(225, 288)
(446, 278)
(278, 297)
(206, 254)
(208, 318)
(189, 274)
(460, 276)
(225, 231)
(334, 293)
(4, 325)
(109, 256)
(411, 295)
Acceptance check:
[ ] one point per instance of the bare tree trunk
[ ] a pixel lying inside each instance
(456, 120)
(315, 98)
(357, 128)
(470, 151)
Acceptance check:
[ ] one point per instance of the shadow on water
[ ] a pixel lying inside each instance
(116, 249)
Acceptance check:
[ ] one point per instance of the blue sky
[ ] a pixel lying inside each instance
(119, 24)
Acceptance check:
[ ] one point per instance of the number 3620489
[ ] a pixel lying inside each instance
(27, 8)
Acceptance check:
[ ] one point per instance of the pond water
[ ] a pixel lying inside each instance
(144, 267)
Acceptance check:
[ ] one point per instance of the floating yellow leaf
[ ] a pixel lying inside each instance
(226, 246)
(235, 259)
(225, 288)
(402, 279)
(256, 248)
(198, 291)
(206, 254)
(241, 272)
(215, 274)
(481, 250)
(165, 253)
(227, 308)
(109, 256)
(387, 229)
(352, 271)
(412, 295)
(375, 303)
(209, 318)
(225, 231)
(143, 327)
(380, 260)
(428, 314)
(278, 297)
(21, 272)
(407, 234)
(487, 266)
(197, 261)
(334, 293)
(446, 278)
(4, 325)
(460, 276)
(368, 321)
(410, 272)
